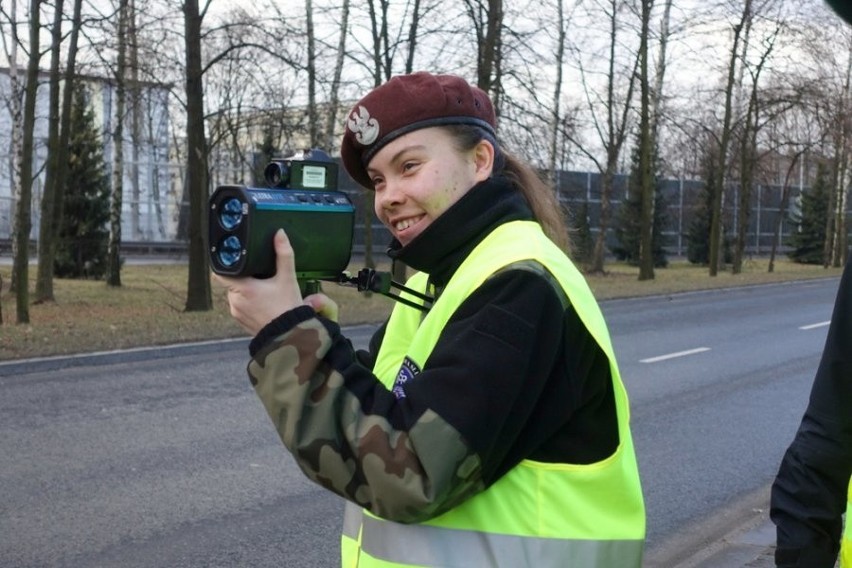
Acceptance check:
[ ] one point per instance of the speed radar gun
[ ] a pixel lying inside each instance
(302, 198)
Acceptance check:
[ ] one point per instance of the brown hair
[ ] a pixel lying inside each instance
(538, 194)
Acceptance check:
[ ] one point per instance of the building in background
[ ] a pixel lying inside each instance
(152, 183)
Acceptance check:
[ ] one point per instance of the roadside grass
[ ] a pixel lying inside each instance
(148, 310)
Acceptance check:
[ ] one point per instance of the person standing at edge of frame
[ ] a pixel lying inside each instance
(490, 428)
(813, 486)
(812, 489)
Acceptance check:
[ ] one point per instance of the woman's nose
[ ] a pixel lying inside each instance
(389, 195)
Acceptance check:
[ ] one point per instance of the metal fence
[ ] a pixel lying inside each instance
(682, 198)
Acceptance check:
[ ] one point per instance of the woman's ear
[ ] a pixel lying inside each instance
(483, 159)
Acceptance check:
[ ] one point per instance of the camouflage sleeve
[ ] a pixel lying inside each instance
(349, 434)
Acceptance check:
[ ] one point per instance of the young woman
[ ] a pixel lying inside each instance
(491, 429)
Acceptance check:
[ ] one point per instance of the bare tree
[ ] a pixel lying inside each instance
(198, 294)
(385, 45)
(334, 88)
(134, 94)
(610, 115)
(646, 150)
(46, 243)
(313, 115)
(486, 16)
(717, 190)
(834, 250)
(649, 129)
(657, 97)
(749, 153)
(113, 268)
(825, 77)
(58, 135)
(23, 223)
(556, 114)
(14, 102)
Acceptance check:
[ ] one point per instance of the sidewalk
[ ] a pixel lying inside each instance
(739, 535)
(752, 548)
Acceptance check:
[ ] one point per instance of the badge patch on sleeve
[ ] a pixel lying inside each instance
(407, 371)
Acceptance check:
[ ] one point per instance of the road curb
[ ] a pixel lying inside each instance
(19, 367)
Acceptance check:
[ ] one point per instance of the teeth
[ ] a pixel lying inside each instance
(405, 223)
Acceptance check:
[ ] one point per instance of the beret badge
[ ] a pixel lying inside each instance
(365, 128)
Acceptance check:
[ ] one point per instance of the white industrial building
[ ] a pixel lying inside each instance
(152, 187)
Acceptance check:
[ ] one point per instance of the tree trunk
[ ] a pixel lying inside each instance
(65, 121)
(24, 209)
(15, 96)
(556, 114)
(838, 251)
(54, 193)
(646, 238)
(660, 74)
(616, 132)
(748, 159)
(313, 115)
(835, 237)
(334, 99)
(607, 177)
(198, 295)
(113, 268)
(488, 26)
(135, 92)
(47, 232)
(716, 236)
(412, 36)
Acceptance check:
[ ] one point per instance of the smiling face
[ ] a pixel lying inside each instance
(420, 175)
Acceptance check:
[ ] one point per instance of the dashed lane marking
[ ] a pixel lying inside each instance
(674, 355)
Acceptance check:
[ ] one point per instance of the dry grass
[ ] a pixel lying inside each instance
(148, 308)
(621, 281)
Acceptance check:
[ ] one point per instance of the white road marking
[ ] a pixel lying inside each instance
(674, 355)
(815, 325)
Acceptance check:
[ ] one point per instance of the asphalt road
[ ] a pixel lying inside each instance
(166, 458)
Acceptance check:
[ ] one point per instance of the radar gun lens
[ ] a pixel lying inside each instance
(230, 251)
(231, 214)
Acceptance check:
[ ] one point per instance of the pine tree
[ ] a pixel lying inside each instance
(629, 217)
(83, 234)
(698, 232)
(807, 242)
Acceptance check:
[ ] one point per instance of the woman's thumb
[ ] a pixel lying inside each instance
(283, 252)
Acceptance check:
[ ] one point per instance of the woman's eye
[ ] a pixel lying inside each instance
(408, 166)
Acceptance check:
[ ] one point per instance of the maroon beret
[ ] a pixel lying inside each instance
(407, 103)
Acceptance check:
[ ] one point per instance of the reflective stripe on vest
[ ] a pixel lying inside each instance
(846, 540)
(439, 546)
(537, 514)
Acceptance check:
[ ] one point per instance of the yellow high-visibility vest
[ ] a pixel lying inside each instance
(846, 539)
(537, 514)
